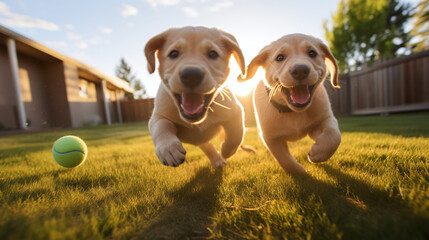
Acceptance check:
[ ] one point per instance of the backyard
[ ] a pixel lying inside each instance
(376, 186)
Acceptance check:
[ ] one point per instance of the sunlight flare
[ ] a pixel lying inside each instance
(243, 88)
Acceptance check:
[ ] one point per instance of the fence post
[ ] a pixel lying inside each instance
(352, 93)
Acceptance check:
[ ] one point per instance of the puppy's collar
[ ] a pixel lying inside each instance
(280, 107)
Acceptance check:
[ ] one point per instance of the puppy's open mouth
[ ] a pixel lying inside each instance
(193, 106)
(298, 96)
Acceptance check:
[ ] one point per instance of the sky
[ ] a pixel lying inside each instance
(100, 33)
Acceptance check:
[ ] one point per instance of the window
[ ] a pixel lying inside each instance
(83, 88)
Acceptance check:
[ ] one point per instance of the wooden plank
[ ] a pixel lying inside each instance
(425, 78)
(367, 92)
(378, 80)
(391, 80)
(407, 85)
(411, 81)
(419, 80)
(402, 84)
(396, 85)
(353, 94)
(387, 87)
(392, 109)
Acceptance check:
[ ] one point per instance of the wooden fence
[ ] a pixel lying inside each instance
(138, 110)
(398, 85)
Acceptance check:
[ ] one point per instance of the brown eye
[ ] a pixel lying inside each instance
(174, 54)
(280, 58)
(212, 55)
(312, 54)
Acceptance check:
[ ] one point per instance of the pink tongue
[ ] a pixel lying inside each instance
(300, 94)
(192, 103)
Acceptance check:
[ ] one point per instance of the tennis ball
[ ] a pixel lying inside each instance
(69, 151)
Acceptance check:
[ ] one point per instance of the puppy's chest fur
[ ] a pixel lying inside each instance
(205, 131)
(290, 126)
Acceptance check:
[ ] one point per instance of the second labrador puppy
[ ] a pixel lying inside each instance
(292, 101)
(192, 105)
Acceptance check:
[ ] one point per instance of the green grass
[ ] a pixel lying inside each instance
(374, 187)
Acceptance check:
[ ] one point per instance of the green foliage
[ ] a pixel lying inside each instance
(376, 186)
(123, 71)
(421, 26)
(362, 31)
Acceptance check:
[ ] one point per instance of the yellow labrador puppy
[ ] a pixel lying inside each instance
(192, 105)
(292, 101)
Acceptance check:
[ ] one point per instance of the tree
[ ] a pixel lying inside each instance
(364, 31)
(421, 26)
(123, 71)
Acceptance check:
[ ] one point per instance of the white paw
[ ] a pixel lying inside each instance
(171, 154)
(295, 168)
(315, 156)
(218, 163)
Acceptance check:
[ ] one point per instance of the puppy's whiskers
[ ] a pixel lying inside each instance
(225, 92)
(273, 90)
(220, 105)
(222, 95)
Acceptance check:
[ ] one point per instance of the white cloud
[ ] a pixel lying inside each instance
(73, 36)
(17, 20)
(219, 5)
(193, 1)
(94, 41)
(69, 26)
(128, 10)
(190, 12)
(155, 3)
(79, 55)
(82, 45)
(57, 45)
(106, 30)
(4, 9)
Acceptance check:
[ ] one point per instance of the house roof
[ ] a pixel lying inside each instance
(29, 47)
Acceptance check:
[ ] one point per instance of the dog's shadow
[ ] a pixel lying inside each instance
(190, 215)
(361, 210)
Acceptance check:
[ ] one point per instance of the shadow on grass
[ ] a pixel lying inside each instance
(189, 215)
(13, 187)
(362, 211)
(28, 179)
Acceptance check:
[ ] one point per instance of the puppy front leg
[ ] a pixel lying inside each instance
(168, 147)
(280, 150)
(234, 133)
(211, 152)
(328, 138)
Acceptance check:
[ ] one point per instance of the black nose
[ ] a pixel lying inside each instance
(191, 77)
(300, 72)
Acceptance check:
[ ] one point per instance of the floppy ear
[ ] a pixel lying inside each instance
(232, 44)
(331, 64)
(152, 46)
(256, 62)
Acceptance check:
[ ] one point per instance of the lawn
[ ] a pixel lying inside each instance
(376, 186)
